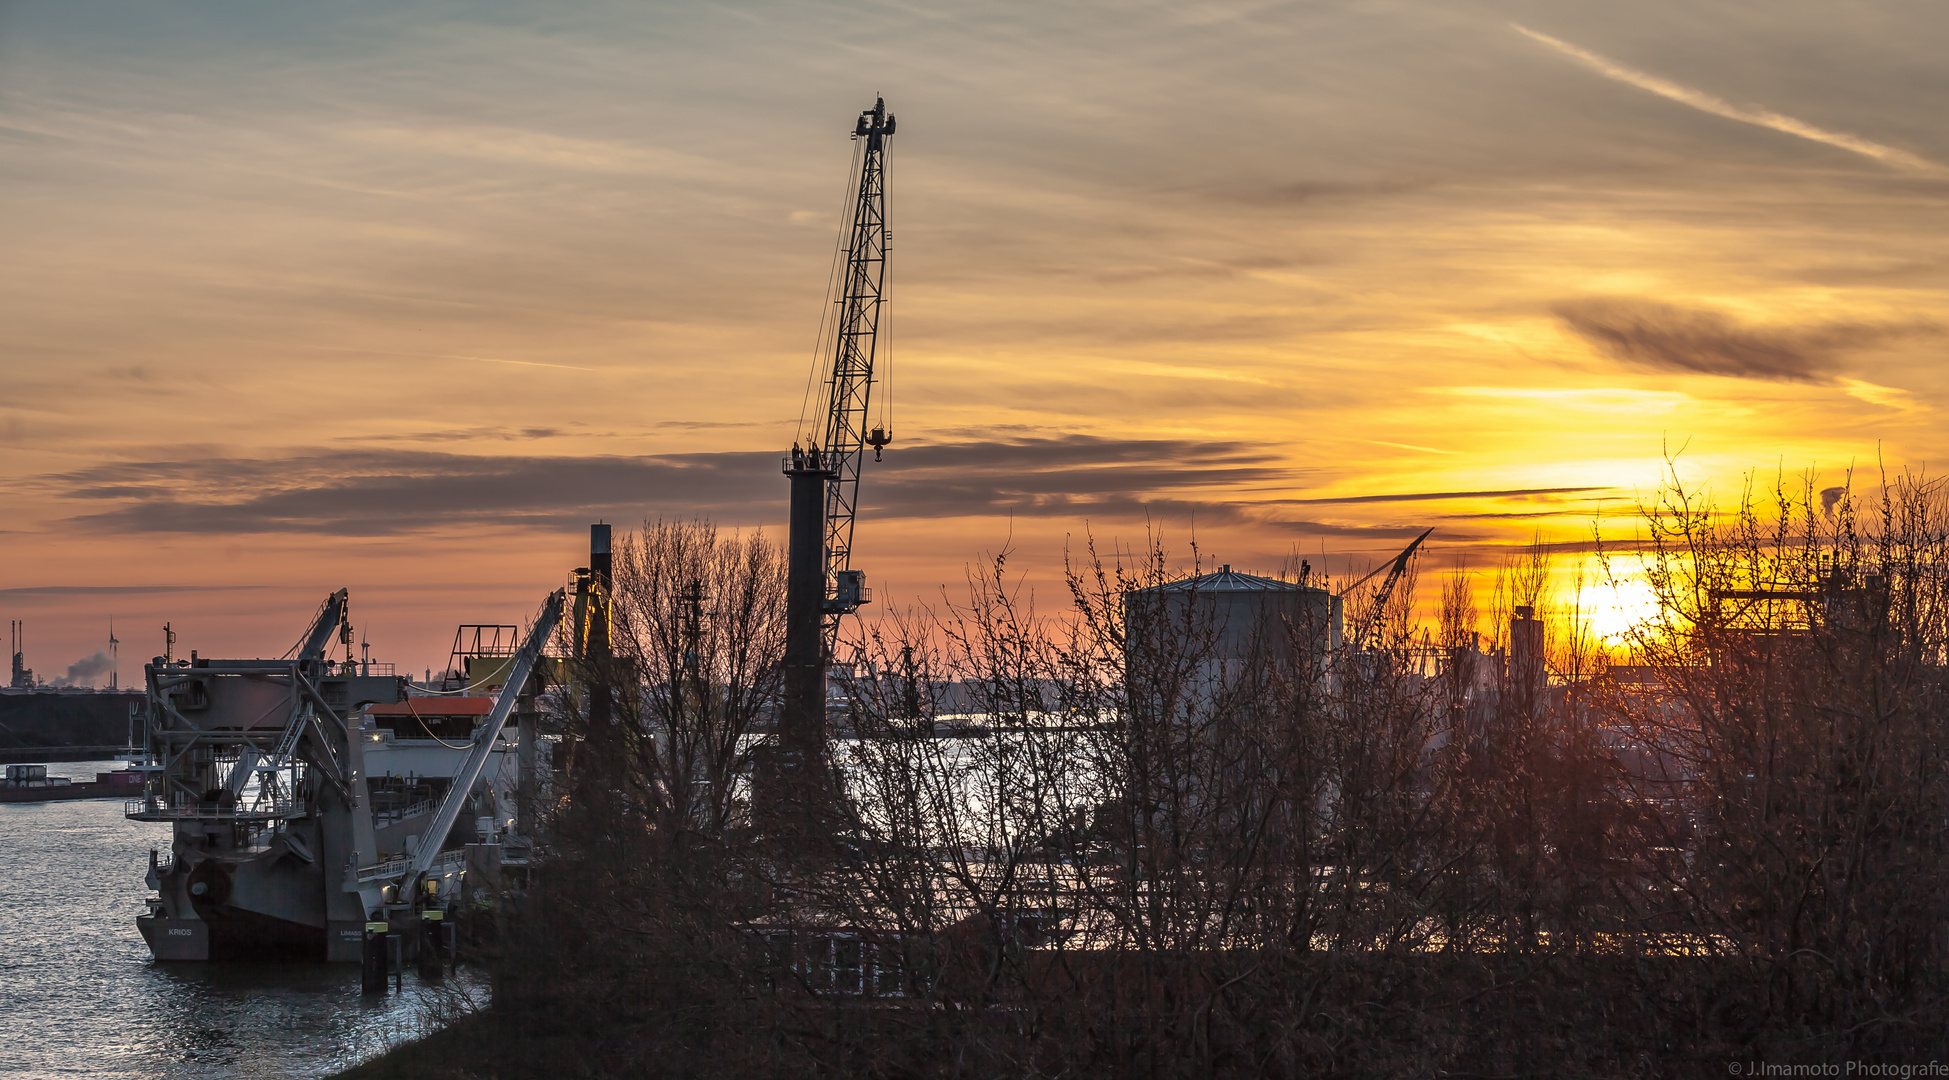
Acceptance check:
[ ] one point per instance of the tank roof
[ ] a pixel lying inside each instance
(1227, 579)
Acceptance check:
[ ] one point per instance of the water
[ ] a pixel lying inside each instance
(79, 995)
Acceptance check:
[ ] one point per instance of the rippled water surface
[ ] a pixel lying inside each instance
(79, 995)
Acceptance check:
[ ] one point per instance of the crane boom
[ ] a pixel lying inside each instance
(848, 388)
(1395, 568)
(319, 637)
(462, 787)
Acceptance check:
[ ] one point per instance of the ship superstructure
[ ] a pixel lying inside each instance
(309, 796)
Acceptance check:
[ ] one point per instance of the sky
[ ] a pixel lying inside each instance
(400, 297)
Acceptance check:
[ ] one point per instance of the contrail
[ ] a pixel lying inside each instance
(1718, 106)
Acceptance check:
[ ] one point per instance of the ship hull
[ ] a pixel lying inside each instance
(302, 794)
(233, 935)
(175, 939)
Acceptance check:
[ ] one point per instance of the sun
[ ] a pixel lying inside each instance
(1616, 609)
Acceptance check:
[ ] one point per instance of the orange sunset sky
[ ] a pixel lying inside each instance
(402, 296)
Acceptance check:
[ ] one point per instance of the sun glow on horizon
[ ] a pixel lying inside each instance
(1618, 611)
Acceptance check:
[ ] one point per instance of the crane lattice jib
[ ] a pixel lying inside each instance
(849, 386)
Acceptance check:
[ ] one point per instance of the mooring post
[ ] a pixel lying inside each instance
(429, 956)
(372, 971)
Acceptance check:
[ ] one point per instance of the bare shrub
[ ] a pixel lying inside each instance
(1798, 727)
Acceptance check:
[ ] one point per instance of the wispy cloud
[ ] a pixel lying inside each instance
(454, 356)
(1433, 496)
(380, 491)
(1888, 397)
(517, 146)
(1663, 337)
(115, 590)
(467, 434)
(1406, 446)
(1718, 106)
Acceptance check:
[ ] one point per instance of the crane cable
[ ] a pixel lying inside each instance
(429, 731)
(886, 313)
(833, 279)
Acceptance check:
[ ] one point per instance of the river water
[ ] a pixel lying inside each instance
(80, 997)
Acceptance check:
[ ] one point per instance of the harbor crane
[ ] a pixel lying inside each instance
(822, 584)
(1395, 568)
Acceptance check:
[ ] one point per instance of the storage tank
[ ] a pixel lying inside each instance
(1230, 616)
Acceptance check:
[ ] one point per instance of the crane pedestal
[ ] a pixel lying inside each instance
(802, 722)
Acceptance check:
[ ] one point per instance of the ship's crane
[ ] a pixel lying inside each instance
(824, 467)
(1395, 568)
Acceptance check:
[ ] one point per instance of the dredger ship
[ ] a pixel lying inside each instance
(311, 796)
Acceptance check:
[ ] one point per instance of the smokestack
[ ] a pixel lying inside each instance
(23, 676)
(1526, 672)
(599, 555)
(592, 605)
(599, 576)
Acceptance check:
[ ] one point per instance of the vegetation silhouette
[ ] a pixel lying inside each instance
(1097, 842)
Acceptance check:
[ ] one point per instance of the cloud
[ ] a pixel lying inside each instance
(383, 491)
(1378, 532)
(1309, 191)
(1717, 106)
(1660, 337)
(116, 590)
(519, 147)
(1429, 496)
(1888, 397)
(1518, 517)
(471, 434)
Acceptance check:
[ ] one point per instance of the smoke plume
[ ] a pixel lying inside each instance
(1829, 497)
(85, 671)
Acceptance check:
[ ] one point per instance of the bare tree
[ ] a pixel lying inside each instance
(699, 619)
(1798, 725)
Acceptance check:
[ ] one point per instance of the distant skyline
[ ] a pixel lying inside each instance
(402, 297)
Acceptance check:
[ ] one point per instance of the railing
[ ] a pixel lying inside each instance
(808, 463)
(151, 810)
(834, 961)
(393, 868)
(392, 815)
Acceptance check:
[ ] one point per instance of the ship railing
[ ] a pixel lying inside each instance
(445, 862)
(154, 810)
(394, 814)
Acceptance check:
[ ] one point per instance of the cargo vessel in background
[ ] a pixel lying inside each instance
(30, 783)
(310, 795)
